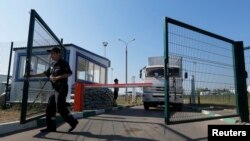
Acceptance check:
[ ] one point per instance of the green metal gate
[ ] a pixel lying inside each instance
(41, 37)
(247, 65)
(205, 75)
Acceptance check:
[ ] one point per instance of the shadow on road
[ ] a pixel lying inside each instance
(138, 111)
(96, 136)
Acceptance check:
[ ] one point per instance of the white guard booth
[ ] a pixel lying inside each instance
(86, 66)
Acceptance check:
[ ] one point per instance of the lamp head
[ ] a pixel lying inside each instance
(105, 44)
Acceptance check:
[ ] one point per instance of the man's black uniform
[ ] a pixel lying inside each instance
(61, 86)
(116, 89)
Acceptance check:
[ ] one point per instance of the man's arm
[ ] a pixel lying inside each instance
(65, 75)
(38, 75)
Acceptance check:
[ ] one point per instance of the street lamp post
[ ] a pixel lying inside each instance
(105, 44)
(126, 59)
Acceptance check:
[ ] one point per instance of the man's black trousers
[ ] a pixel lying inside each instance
(62, 109)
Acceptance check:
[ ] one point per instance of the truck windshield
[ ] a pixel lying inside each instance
(174, 72)
(159, 72)
(153, 72)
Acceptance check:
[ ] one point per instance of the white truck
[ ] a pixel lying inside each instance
(154, 73)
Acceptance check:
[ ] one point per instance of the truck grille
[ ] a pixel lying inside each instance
(157, 89)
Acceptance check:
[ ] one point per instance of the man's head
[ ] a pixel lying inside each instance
(116, 80)
(55, 53)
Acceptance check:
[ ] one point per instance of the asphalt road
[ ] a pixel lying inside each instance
(129, 124)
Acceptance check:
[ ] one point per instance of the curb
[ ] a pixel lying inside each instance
(15, 126)
(227, 120)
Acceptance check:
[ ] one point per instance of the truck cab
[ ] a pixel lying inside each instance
(154, 73)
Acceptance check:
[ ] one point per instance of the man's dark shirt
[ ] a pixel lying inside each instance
(59, 68)
(116, 93)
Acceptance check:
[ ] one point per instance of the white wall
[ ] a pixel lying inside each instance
(17, 86)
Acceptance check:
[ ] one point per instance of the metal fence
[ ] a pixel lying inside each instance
(40, 36)
(247, 65)
(208, 74)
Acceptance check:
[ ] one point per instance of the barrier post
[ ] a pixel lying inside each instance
(78, 98)
(136, 100)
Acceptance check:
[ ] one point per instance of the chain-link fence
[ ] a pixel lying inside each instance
(205, 78)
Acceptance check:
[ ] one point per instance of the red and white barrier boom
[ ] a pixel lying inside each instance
(80, 88)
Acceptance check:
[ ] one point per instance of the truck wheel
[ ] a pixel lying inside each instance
(146, 106)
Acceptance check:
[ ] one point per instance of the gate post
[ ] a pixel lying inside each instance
(240, 81)
(78, 98)
(166, 75)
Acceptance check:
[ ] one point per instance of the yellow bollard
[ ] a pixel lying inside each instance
(129, 99)
(136, 97)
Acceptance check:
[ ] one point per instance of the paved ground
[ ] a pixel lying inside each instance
(131, 124)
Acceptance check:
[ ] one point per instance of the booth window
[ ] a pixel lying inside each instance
(89, 71)
(103, 74)
(82, 68)
(39, 63)
(97, 73)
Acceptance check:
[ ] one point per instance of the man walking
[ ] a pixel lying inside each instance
(58, 74)
(116, 89)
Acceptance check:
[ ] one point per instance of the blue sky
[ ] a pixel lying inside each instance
(88, 23)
